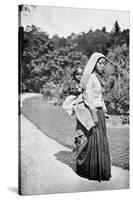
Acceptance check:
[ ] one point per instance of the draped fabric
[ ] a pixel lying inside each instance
(102, 82)
(89, 68)
(93, 160)
(100, 78)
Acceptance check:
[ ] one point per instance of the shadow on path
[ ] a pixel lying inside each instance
(13, 190)
(68, 158)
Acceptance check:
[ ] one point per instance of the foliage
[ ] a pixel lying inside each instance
(119, 37)
(43, 63)
(117, 84)
(125, 119)
(117, 103)
(47, 62)
(116, 28)
(26, 8)
(92, 41)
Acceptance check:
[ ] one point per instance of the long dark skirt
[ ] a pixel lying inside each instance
(93, 160)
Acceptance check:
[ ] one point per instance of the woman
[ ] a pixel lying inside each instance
(93, 159)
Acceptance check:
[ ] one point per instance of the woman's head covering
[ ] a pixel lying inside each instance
(89, 68)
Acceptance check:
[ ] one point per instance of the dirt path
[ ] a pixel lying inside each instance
(43, 173)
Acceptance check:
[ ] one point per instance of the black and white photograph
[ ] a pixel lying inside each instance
(73, 99)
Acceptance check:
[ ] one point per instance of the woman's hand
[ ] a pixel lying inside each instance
(94, 116)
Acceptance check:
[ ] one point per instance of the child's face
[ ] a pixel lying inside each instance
(79, 74)
(100, 65)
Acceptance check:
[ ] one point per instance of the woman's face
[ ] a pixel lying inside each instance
(100, 65)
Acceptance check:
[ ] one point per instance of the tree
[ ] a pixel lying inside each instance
(26, 8)
(45, 62)
(125, 37)
(94, 41)
(117, 96)
(104, 29)
(116, 34)
(120, 56)
(116, 29)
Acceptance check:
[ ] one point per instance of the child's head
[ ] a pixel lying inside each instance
(77, 72)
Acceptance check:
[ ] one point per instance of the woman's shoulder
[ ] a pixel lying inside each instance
(92, 77)
(93, 80)
(90, 81)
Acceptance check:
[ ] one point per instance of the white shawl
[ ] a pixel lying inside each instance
(89, 68)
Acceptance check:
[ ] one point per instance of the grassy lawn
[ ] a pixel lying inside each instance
(58, 125)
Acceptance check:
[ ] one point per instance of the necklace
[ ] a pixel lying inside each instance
(101, 80)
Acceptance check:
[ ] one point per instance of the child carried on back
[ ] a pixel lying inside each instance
(75, 96)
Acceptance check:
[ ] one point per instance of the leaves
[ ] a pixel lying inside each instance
(49, 61)
(42, 58)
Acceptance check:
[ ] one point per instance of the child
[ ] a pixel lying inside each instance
(73, 91)
(76, 90)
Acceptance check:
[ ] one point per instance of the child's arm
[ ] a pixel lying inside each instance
(75, 89)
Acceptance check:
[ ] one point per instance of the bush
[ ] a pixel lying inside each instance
(125, 119)
(117, 103)
(52, 93)
(47, 93)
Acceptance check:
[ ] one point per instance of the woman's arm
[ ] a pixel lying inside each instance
(88, 99)
(104, 106)
(87, 94)
(105, 110)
